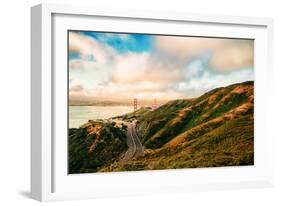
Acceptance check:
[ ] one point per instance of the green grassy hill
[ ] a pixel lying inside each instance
(94, 145)
(176, 117)
(215, 129)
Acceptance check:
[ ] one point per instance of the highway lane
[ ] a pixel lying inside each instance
(139, 147)
(135, 147)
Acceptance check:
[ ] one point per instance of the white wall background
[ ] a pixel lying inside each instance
(15, 95)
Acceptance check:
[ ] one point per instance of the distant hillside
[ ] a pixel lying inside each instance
(215, 129)
(79, 102)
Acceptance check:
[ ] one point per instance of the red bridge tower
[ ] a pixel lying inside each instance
(135, 104)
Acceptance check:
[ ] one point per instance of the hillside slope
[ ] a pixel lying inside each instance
(177, 117)
(94, 145)
(215, 129)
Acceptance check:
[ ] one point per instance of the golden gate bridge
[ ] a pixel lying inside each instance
(154, 105)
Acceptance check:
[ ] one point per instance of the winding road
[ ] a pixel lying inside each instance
(133, 142)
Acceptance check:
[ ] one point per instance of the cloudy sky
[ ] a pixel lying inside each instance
(120, 67)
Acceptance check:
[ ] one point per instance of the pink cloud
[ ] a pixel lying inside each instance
(228, 54)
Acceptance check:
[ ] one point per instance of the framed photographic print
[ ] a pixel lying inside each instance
(131, 102)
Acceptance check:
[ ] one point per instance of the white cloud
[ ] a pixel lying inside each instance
(81, 64)
(227, 54)
(178, 68)
(197, 83)
(235, 56)
(87, 46)
(130, 67)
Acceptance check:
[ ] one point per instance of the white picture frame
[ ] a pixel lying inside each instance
(49, 179)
